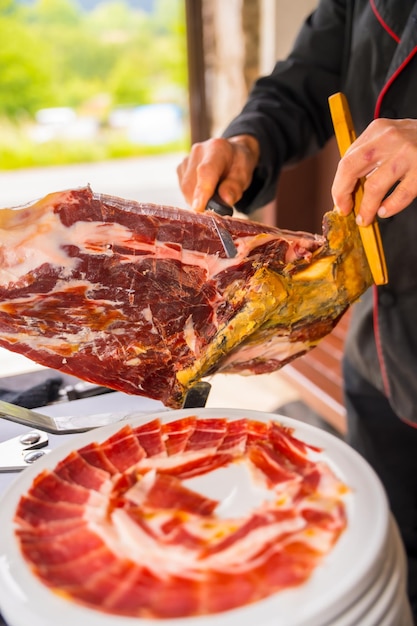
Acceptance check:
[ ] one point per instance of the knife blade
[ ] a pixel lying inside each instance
(221, 208)
(58, 425)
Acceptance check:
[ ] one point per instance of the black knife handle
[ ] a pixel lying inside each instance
(218, 205)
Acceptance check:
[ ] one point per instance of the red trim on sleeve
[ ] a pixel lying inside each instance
(391, 80)
(383, 23)
(377, 334)
(406, 421)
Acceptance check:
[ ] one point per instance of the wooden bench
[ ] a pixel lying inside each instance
(317, 376)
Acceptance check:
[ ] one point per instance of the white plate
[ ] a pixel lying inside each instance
(385, 602)
(349, 568)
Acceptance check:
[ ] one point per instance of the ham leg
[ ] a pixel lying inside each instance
(142, 299)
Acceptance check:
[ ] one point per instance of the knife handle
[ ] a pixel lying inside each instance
(370, 235)
(218, 205)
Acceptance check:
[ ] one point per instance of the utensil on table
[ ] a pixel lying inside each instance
(370, 235)
(20, 452)
(221, 208)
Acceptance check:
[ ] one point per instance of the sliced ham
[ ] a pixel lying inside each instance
(75, 469)
(177, 433)
(49, 486)
(123, 449)
(163, 491)
(145, 541)
(150, 438)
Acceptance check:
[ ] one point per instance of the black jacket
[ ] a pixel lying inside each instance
(368, 50)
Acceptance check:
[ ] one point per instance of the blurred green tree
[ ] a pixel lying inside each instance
(25, 65)
(55, 54)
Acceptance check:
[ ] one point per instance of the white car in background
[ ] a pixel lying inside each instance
(63, 123)
(150, 124)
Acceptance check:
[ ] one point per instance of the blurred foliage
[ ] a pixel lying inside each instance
(55, 53)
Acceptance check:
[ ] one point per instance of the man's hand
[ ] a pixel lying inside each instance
(231, 161)
(384, 154)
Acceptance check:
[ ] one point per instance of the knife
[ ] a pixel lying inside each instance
(59, 425)
(221, 208)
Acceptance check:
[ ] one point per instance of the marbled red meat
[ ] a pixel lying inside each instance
(123, 449)
(150, 437)
(270, 463)
(45, 551)
(207, 433)
(50, 486)
(37, 512)
(94, 455)
(150, 543)
(235, 438)
(141, 298)
(176, 435)
(167, 492)
(77, 470)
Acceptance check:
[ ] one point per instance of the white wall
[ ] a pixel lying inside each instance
(225, 49)
(227, 82)
(280, 22)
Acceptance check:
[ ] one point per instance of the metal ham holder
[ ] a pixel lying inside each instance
(20, 452)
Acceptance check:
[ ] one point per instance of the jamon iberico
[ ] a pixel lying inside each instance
(142, 299)
(123, 525)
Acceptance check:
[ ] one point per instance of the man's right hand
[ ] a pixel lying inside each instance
(231, 161)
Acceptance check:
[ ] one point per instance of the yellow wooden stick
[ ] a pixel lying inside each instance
(370, 235)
